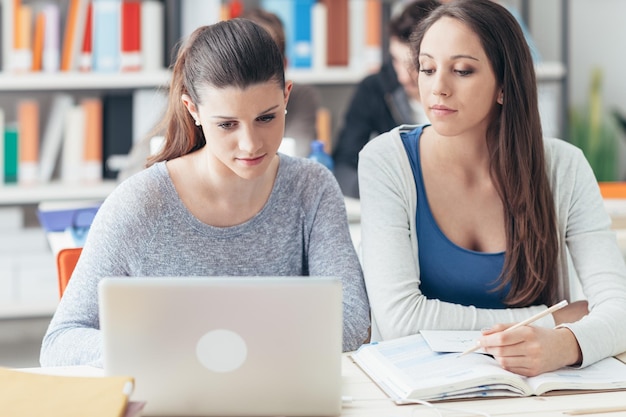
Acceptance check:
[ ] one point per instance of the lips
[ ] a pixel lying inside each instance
(440, 110)
(253, 160)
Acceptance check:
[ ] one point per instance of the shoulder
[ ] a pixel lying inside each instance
(303, 172)
(304, 183)
(562, 158)
(143, 194)
(388, 144)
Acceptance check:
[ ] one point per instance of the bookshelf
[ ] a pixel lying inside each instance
(69, 81)
(336, 85)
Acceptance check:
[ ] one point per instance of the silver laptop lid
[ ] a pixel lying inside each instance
(227, 346)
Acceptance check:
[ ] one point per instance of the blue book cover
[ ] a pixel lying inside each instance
(284, 9)
(106, 35)
(302, 35)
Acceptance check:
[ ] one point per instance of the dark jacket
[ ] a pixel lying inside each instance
(378, 105)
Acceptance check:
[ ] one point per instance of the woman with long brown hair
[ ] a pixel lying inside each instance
(469, 222)
(218, 200)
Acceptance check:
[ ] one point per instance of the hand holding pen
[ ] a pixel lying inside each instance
(524, 323)
(531, 350)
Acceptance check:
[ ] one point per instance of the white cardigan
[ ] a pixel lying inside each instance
(390, 252)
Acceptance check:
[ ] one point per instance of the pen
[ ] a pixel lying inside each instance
(524, 323)
(583, 411)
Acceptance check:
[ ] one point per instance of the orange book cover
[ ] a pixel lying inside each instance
(73, 34)
(28, 144)
(92, 109)
(23, 53)
(338, 53)
(373, 34)
(40, 27)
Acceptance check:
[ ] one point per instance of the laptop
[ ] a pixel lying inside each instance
(226, 346)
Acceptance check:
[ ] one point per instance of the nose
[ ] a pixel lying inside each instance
(248, 141)
(439, 85)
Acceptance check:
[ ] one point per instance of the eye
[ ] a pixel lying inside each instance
(464, 73)
(266, 118)
(426, 71)
(226, 125)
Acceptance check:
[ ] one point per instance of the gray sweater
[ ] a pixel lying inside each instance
(143, 229)
(588, 250)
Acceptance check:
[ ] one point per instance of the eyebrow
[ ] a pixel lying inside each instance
(459, 56)
(260, 114)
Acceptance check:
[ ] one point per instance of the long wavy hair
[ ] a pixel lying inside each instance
(515, 145)
(233, 53)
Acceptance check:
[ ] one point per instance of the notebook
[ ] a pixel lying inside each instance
(226, 346)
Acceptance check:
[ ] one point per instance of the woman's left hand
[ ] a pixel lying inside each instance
(531, 350)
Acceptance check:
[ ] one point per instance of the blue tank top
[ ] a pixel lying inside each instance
(449, 272)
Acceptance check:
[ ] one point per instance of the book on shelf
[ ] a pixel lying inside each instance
(7, 26)
(22, 43)
(173, 30)
(51, 44)
(302, 34)
(35, 393)
(73, 145)
(28, 141)
(38, 40)
(373, 35)
(73, 34)
(52, 139)
(85, 58)
(337, 36)
(319, 29)
(407, 369)
(11, 155)
(92, 137)
(106, 38)
(130, 39)
(2, 162)
(357, 32)
(152, 35)
(117, 132)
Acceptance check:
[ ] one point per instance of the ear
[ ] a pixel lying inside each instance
(288, 87)
(191, 107)
(500, 98)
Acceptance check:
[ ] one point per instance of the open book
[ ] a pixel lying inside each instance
(407, 369)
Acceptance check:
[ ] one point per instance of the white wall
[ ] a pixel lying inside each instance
(597, 32)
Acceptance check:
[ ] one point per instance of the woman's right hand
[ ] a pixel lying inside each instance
(571, 313)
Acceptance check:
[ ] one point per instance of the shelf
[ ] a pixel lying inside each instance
(21, 194)
(75, 81)
(14, 310)
(550, 71)
(329, 76)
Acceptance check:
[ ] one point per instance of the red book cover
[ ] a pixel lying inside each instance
(85, 52)
(131, 35)
(337, 38)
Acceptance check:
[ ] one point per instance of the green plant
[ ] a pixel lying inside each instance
(596, 133)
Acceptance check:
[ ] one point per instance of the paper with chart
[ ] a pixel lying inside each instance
(451, 341)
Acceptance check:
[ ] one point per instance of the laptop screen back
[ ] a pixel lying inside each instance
(254, 346)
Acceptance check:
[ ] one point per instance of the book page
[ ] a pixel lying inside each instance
(607, 374)
(450, 341)
(407, 368)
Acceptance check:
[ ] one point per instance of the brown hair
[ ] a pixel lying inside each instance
(402, 25)
(515, 144)
(232, 53)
